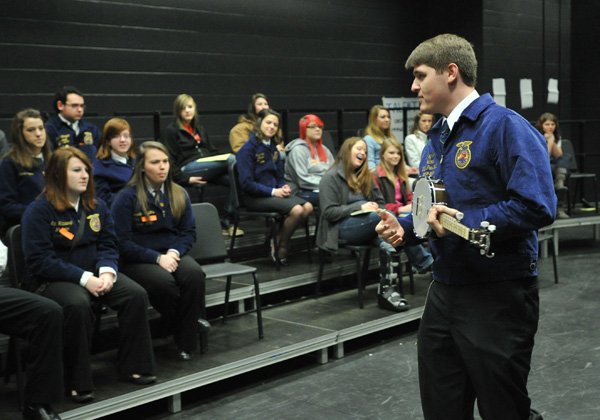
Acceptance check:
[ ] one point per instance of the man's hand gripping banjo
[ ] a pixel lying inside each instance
(429, 214)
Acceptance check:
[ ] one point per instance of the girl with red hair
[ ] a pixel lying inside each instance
(307, 159)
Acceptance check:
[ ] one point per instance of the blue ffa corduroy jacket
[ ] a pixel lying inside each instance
(61, 135)
(110, 177)
(47, 241)
(18, 188)
(494, 166)
(260, 168)
(143, 238)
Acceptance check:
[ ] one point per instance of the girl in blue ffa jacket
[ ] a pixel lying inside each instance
(22, 169)
(261, 174)
(156, 229)
(115, 159)
(71, 253)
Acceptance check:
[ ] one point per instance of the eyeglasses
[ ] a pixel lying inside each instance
(314, 127)
(82, 106)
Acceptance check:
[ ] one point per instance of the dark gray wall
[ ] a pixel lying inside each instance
(586, 88)
(528, 39)
(137, 56)
(305, 54)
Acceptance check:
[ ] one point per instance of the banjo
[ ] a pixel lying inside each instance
(428, 192)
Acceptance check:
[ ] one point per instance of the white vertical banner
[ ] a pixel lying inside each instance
(526, 88)
(553, 91)
(499, 89)
(397, 117)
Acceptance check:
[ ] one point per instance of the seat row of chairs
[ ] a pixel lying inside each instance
(205, 250)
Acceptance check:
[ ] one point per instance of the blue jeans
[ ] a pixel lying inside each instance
(215, 173)
(359, 230)
(209, 171)
(418, 256)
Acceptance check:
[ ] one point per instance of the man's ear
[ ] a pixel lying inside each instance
(59, 105)
(453, 73)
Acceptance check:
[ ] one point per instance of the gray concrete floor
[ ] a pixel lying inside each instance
(379, 380)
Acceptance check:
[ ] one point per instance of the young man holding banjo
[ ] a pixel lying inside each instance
(490, 165)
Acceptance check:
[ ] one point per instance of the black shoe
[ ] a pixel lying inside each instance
(203, 325)
(139, 379)
(39, 412)
(183, 355)
(391, 300)
(81, 396)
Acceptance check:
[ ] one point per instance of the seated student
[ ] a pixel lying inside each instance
(307, 160)
(156, 229)
(3, 143)
(261, 173)
(547, 124)
(22, 168)
(377, 130)
(39, 321)
(115, 159)
(348, 187)
(67, 127)
(416, 140)
(187, 141)
(71, 253)
(392, 180)
(240, 133)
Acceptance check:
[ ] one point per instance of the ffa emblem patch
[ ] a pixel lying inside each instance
(94, 222)
(463, 154)
(87, 137)
(275, 156)
(260, 158)
(63, 140)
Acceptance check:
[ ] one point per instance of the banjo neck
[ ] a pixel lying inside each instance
(453, 225)
(428, 192)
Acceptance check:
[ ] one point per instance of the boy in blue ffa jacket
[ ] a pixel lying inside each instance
(67, 128)
(481, 314)
(71, 252)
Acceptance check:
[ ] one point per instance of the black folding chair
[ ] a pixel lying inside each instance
(210, 246)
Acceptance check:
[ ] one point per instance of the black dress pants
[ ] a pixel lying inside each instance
(135, 346)
(475, 343)
(40, 322)
(178, 297)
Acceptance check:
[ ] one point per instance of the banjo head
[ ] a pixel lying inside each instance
(427, 192)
